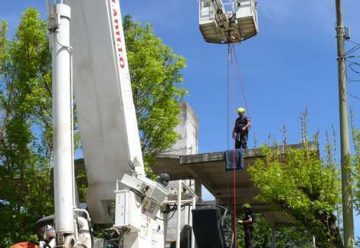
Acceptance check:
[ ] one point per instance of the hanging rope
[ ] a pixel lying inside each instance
(228, 59)
(242, 85)
(233, 67)
(230, 80)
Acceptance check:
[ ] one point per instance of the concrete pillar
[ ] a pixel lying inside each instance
(186, 145)
(198, 189)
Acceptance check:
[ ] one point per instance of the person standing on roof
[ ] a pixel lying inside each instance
(247, 222)
(241, 129)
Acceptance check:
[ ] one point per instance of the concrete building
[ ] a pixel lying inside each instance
(188, 144)
(188, 131)
(209, 169)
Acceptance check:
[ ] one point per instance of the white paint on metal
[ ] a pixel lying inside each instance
(151, 235)
(103, 96)
(193, 206)
(178, 230)
(126, 201)
(246, 16)
(182, 194)
(62, 108)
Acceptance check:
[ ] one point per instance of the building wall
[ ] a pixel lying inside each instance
(188, 131)
(187, 144)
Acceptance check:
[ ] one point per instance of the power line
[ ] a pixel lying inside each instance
(353, 49)
(354, 42)
(353, 96)
(352, 65)
(353, 80)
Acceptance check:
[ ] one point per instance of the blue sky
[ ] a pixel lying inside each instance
(289, 66)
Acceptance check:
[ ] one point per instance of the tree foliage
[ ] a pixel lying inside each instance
(286, 236)
(300, 184)
(25, 128)
(156, 78)
(26, 121)
(356, 167)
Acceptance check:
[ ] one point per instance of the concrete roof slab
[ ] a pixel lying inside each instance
(209, 169)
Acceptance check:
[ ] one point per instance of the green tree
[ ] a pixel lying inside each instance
(26, 121)
(355, 132)
(355, 164)
(300, 184)
(356, 160)
(286, 236)
(156, 78)
(25, 128)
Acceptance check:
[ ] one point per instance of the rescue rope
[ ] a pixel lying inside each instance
(234, 165)
(227, 119)
(230, 79)
(242, 85)
(232, 61)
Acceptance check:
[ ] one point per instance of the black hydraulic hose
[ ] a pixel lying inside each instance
(48, 220)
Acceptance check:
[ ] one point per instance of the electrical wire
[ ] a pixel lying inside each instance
(350, 80)
(353, 42)
(175, 209)
(218, 206)
(353, 96)
(352, 65)
(353, 49)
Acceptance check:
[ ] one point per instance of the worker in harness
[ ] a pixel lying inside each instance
(241, 129)
(247, 222)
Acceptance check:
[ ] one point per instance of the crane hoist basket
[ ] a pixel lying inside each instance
(227, 21)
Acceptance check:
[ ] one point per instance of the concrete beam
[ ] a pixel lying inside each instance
(209, 168)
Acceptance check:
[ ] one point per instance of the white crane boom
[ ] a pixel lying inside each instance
(103, 96)
(62, 113)
(91, 53)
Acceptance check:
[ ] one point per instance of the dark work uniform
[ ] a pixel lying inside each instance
(248, 229)
(241, 136)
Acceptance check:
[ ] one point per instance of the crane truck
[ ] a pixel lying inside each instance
(89, 62)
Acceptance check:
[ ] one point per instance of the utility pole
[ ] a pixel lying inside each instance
(344, 133)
